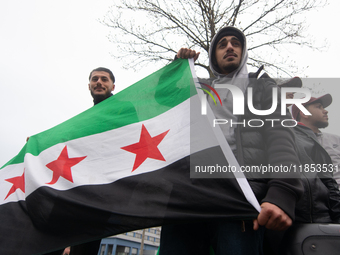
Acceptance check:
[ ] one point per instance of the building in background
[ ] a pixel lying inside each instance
(130, 243)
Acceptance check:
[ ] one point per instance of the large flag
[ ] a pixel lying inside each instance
(122, 165)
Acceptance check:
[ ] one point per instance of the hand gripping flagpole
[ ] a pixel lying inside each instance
(229, 155)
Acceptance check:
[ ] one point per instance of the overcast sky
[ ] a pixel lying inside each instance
(49, 47)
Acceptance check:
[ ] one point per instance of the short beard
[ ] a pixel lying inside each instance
(321, 124)
(230, 68)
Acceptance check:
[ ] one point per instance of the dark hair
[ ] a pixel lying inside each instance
(103, 69)
(226, 31)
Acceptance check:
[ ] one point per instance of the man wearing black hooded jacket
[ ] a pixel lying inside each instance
(271, 144)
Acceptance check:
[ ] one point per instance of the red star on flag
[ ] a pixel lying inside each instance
(61, 167)
(146, 147)
(18, 183)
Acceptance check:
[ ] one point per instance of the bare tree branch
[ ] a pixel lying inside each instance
(237, 9)
(149, 31)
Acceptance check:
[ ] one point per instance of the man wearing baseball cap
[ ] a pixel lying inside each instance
(317, 121)
(318, 118)
(321, 200)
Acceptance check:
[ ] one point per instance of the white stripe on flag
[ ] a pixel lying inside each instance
(105, 161)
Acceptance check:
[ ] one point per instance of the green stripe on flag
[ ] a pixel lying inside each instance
(151, 96)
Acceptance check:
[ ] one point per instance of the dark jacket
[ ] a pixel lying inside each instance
(321, 200)
(270, 145)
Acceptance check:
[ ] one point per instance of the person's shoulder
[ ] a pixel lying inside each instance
(330, 135)
(260, 77)
(208, 81)
(255, 75)
(304, 130)
(263, 83)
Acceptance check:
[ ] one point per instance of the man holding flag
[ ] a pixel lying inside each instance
(124, 165)
(266, 145)
(101, 84)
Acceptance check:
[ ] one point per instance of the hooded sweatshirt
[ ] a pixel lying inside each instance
(238, 78)
(267, 145)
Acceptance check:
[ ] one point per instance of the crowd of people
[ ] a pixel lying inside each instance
(302, 197)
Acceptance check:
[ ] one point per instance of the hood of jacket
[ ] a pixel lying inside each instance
(241, 71)
(238, 77)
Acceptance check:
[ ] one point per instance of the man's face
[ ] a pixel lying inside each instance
(228, 54)
(319, 117)
(100, 84)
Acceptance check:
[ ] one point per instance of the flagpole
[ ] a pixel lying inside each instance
(142, 243)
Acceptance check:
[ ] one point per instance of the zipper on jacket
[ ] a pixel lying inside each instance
(309, 199)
